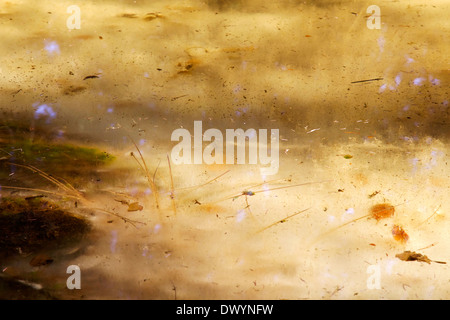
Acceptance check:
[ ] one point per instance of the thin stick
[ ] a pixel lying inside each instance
(435, 211)
(51, 178)
(282, 220)
(359, 81)
(245, 193)
(429, 246)
(132, 222)
(147, 174)
(44, 175)
(6, 152)
(156, 170)
(172, 194)
(248, 207)
(206, 183)
(67, 186)
(345, 224)
(134, 157)
(40, 190)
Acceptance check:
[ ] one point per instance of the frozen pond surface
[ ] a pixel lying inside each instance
(363, 119)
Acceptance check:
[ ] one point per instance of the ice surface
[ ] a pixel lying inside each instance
(362, 112)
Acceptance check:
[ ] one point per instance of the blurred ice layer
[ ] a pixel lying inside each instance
(147, 66)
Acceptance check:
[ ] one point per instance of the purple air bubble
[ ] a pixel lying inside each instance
(418, 81)
(240, 216)
(398, 79)
(113, 243)
(156, 228)
(52, 47)
(435, 82)
(45, 111)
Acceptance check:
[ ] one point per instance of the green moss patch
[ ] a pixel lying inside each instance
(47, 151)
(36, 151)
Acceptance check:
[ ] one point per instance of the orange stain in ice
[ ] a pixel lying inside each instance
(399, 234)
(382, 211)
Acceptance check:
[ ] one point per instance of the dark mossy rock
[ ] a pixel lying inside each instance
(35, 223)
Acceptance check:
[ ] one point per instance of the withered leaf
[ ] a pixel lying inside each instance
(413, 256)
(135, 206)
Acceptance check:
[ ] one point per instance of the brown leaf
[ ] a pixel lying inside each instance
(135, 206)
(412, 256)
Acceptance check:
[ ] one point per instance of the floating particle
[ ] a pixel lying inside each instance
(382, 211)
(152, 15)
(373, 194)
(312, 130)
(91, 77)
(128, 15)
(399, 234)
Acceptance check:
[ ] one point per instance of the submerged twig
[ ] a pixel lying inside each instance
(172, 194)
(144, 167)
(206, 183)
(65, 186)
(132, 222)
(252, 193)
(39, 190)
(282, 220)
(435, 211)
(367, 80)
